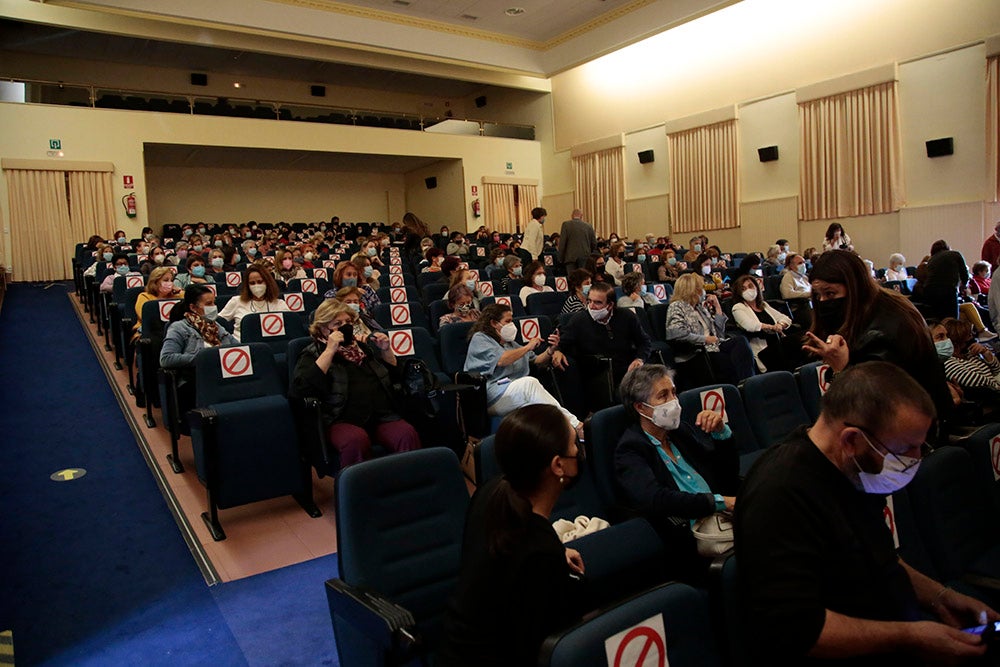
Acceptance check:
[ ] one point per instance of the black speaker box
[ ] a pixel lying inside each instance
(940, 147)
(767, 153)
(317, 91)
(198, 79)
(431, 182)
(645, 157)
(480, 101)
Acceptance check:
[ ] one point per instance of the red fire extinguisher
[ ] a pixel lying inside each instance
(475, 208)
(128, 201)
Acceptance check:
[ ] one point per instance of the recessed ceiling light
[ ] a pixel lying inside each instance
(514, 11)
(237, 84)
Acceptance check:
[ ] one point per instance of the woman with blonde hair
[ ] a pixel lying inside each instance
(353, 381)
(160, 285)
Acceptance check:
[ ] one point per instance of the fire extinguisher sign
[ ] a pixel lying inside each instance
(128, 182)
(475, 190)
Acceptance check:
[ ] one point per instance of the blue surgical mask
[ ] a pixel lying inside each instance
(642, 289)
(121, 270)
(371, 252)
(801, 268)
(696, 247)
(350, 282)
(368, 271)
(517, 270)
(218, 243)
(471, 284)
(585, 289)
(217, 262)
(945, 348)
(108, 256)
(198, 271)
(640, 258)
(252, 252)
(671, 261)
(355, 307)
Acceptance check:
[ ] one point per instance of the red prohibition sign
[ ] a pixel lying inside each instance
(396, 280)
(995, 455)
(889, 519)
(505, 300)
(398, 295)
(294, 302)
(396, 269)
(233, 279)
(319, 273)
(273, 324)
(561, 285)
(236, 361)
(400, 313)
(821, 371)
(134, 281)
(395, 260)
(165, 308)
(660, 292)
(548, 260)
(401, 342)
(329, 263)
(309, 286)
(485, 288)
(651, 639)
(529, 329)
(714, 401)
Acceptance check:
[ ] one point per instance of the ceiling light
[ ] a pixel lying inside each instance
(514, 11)
(237, 84)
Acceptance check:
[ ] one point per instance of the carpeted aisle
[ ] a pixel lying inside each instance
(94, 571)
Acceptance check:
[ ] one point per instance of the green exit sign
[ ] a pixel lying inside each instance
(55, 144)
(510, 165)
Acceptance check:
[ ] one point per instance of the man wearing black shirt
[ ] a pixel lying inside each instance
(818, 574)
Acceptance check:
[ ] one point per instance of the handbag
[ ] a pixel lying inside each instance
(713, 534)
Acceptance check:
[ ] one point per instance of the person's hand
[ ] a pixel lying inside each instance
(978, 348)
(334, 340)
(379, 340)
(574, 560)
(635, 364)
(730, 502)
(934, 643)
(709, 421)
(957, 395)
(559, 360)
(832, 351)
(713, 301)
(962, 611)
(711, 340)
(533, 343)
(553, 340)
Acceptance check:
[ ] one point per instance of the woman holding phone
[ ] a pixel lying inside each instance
(353, 382)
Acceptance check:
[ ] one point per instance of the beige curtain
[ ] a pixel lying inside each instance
(704, 178)
(527, 199)
(599, 178)
(91, 205)
(849, 152)
(39, 211)
(498, 207)
(993, 126)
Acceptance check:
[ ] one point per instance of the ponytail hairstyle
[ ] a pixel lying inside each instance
(491, 314)
(192, 295)
(526, 442)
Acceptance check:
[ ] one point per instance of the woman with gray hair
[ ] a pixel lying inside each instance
(897, 268)
(670, 472)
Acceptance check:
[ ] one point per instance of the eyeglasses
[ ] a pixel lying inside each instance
(925, 448)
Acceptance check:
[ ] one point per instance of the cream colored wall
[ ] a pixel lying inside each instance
(770, 122)
(650, 179)
(178, 195)
(118, 137)
(648, 215)
(442, 205)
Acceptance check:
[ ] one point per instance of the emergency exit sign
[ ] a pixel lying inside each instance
(55, 144)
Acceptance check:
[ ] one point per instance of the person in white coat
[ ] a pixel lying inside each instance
(534, 237)
(764, 326)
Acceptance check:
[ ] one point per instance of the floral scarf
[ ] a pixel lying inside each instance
(208, 329)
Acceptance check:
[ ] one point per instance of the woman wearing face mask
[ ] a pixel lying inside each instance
(711, 279)
(258, 294)
(347, 275)
(667, 469)
(180, 255)
(765, 328)
(513, 269)
(518, 583)
(897, 268)
(160, 285)
(433, 259)
(534, 282)
(836, 238)
(794, 283)
(694, 249)
(463, 307)
(578, 283)
(197, 274)
(365, 325)
(367, 273)
(775, 259)
(507, 365)
(103, 254)
(285, 267)
(751, 264)
(669, 269)
(855, 320)
(308, 256)
(615, 264)
(121, 269)
(156, 257)
(353, 381)
(192, 328)
(970, 365)
(465, 278)
(217, 263)
(634, 292)
(697, 319)
(596, 265)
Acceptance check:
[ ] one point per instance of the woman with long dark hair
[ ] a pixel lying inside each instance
(518, 583)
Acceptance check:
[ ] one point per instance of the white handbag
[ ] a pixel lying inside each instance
(714, 535)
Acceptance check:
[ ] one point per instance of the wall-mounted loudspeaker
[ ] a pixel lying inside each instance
(940, 147)
(767, 153)
(199, 79)
(645, 157)
(317, 91)
(431, 182)
(480, 101)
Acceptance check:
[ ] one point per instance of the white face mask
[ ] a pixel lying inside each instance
(540, 280)
(749, 294)
(666, 415)
(258, 289)
(598, 314)
(705, 270)
(508, 332)
(211, 312)
(897, 471)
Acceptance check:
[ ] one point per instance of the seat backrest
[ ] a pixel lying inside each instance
(308, 285)
(773, 405)
(410, 314)
(606, 429)
(725, 398)
(155, 316)
(812, 386)
(984, 448)
(948, 503)
(414, 343)
(435, 311)
(400, 521)
(295, 347)
(224, 374)
(454, 343)
(772, 287)
(670, 624)
(273, 329)
(516, 307)
(658, 320)
(546, 303)
(398, 294)
(434, 291)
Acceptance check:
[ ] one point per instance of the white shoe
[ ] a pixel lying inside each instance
(985, 335)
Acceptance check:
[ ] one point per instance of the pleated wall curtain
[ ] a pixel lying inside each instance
(993, 126)
(527, 199)
(39, 209)
(599, 179)
(704, 178)
(499, 210)
(849, 153)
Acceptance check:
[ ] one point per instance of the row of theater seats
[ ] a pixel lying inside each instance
(378, 601)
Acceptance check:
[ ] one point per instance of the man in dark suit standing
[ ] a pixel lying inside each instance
(576, 242)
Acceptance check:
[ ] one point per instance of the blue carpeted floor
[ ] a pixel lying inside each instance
(95, 571)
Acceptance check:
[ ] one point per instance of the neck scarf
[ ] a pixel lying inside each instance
(206, 328)
(352, 353)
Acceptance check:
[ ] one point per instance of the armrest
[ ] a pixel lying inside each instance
(202, 418)
(312, 433)
(378, 618)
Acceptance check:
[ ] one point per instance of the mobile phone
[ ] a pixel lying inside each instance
(989, 632)
(348, 331)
